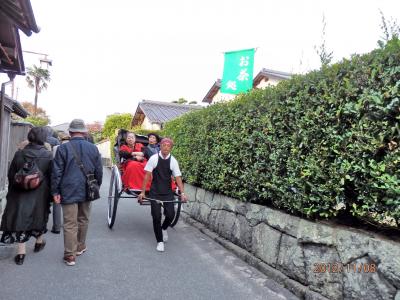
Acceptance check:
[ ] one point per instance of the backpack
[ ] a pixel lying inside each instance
(29, 176)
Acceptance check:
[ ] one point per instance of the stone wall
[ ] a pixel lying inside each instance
(314, 260)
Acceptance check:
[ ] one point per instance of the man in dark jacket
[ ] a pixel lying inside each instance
(68, 187)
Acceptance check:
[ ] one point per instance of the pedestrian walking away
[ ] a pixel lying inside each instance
(28, 198)
(161, 167)
(69, 187)
(56, 212)
(54, 141)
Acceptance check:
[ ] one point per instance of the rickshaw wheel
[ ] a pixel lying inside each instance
(178, 207)
(113, 197)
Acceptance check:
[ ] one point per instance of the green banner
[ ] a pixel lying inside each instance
(238, 72)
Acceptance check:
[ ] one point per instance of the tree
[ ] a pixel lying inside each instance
(37, 121)
(41, 118)
(390, 30)
(324, 55)
(180, 101)
(37, 78)
(95, 129)
(116, 121)
(29, 107)
(184, 101)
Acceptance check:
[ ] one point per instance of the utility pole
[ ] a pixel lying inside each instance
(43, 61)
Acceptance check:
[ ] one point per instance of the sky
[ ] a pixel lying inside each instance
(109, 55)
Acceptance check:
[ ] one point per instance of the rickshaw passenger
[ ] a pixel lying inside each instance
(133, 166)
(153, 147)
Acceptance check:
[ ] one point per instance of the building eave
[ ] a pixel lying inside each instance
(212, 92)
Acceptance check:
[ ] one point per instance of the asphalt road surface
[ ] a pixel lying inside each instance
(123, 263)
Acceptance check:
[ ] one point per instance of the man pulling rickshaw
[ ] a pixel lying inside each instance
(161, 167)
(155, 186)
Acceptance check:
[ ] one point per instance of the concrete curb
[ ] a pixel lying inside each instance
(301, 291)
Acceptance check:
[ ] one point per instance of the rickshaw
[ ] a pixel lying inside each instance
(117, 190)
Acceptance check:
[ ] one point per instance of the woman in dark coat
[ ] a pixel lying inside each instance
(27, 211)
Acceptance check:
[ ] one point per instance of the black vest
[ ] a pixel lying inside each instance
(161, 183)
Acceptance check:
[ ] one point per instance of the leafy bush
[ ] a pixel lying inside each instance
(37, 121)
(111, 126)
(140, 130)
(116, 121)
(317, 145)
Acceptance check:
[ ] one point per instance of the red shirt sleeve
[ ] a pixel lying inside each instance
(125, 148)
(138, 147)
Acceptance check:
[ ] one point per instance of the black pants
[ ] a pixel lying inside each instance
(169, 213)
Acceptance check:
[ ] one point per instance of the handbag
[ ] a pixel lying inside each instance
(92, 186)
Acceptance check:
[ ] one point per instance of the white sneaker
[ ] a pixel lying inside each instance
(165, 235)
(160, 246)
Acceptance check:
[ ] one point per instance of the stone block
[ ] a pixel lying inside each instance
(229, 204)
(194, 212)
(226, 220)
(190, 192)
(266, 243)
(281, 221)
(317, 233)
(208, 198)
(217, 201)
(387, 255)
(187, 207)
(291, 259)
(242, 208)
(204, 213)
(358, 284)
(351, 245)
(328, 284)
(200, 193)
(213, 220)
(241, 232)
(255, 214)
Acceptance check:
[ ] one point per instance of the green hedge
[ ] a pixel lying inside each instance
(317, 145)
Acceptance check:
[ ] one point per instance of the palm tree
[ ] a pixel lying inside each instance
(38, 79)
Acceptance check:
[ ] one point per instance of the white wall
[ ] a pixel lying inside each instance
(222, 97)
(264, 83)
(104, 148)
(150, 126)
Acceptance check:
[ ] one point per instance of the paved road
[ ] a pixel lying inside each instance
(123, 264)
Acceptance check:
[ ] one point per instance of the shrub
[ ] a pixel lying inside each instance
(316, 145)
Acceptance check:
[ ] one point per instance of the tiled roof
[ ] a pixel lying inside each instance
(20, 14)
(15, 107)
(268, 73)
(14, 15)
(161, 112)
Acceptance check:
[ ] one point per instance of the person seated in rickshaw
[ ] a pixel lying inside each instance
(133, 164)
(153, 147)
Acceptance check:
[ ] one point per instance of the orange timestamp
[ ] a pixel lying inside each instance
(338, 267)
